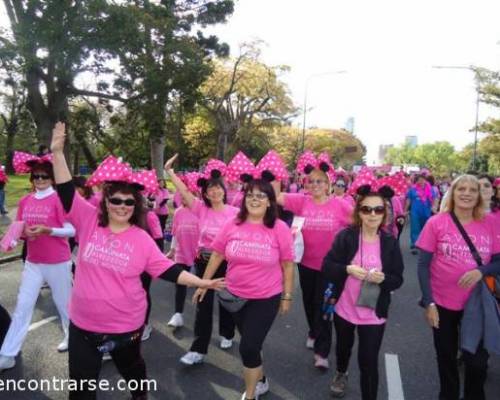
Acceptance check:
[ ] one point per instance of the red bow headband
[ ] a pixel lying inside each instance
(24, 162)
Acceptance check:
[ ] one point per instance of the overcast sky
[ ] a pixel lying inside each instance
(388, 48)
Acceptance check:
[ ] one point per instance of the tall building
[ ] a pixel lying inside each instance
(349, 125)
(412, 141)
(382, 152)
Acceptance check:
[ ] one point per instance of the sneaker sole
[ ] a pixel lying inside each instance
(190, 364)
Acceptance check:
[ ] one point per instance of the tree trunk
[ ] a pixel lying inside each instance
(9, 146)
(157, 146)
(222, 144)
(76, 162)
(87, 152)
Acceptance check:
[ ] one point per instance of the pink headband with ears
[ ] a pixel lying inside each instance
(272, 163)
(240, 165)
(214, 169)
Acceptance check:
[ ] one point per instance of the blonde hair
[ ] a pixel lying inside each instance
(449, 200)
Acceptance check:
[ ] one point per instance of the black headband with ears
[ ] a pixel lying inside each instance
(267, 176)
(215, 174)
(245, 178)
(385, 191)
(308, 169)
(323, 166)
(201, 182)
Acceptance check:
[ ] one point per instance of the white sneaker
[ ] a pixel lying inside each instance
(262, 387)
(63, 346)
(192, 358)
(176, 321)
(310, 343)
(225, 343)
(106, 357)
(244, 396)
(7, 362)
(146, 333)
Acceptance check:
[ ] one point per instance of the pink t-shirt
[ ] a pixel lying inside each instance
(95, 199)
(154, 226)
(210, 221)
(254, 254)
(349, 200)
(107, 294)
(346, 306)
(452, 257)
(177, 199)
(186, 232)
(230, 195)
(322, 223)
(237, 199)
(48, 211)
(162, 195)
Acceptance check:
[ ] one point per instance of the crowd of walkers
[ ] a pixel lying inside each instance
(241, 228)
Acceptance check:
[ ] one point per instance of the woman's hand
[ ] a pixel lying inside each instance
(375, 277)
(285, 306)
(215, 284)
(199, 295)
(38, 230)
(169, 163)
(432, 316)
(58, 137)
(357, 272)
(470, 278)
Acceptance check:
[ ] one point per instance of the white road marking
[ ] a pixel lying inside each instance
(394, 384)
(38, 324)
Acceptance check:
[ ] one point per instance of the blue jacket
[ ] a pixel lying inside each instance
(481, 321)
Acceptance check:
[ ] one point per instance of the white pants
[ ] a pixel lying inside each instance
(58, 277)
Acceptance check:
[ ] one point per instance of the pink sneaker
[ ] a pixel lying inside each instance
(320, 362)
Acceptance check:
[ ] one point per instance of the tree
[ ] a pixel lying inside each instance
(56, 41)
(244, 95)
(163, 58)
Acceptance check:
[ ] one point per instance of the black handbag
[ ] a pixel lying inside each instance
(229, 301)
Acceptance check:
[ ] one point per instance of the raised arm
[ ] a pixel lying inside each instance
(179, 185)
(61, 170)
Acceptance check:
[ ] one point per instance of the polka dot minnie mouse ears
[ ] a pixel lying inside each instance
(24, 162)
(240, 168)
(271, 167)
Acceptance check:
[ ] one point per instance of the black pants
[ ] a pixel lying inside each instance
(446, 345)
(254, 321)
(370, 340)
(85, 363)
(163, 222)
(204, 314)
(4, 323)
(146, 284)
(180, 293)
(313, 289)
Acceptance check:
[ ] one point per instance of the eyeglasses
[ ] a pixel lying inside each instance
(341, 185)
(316, 181)
(366, 210)
(40, 177)
(118, 202)
(257, 196)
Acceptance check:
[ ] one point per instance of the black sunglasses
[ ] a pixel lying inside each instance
(39, 176)
(118, 202)
(366, 210)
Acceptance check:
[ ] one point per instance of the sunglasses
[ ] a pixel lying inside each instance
(366, 210)
(341, 185)
(258, 196)
(39, 177)
(118, 202)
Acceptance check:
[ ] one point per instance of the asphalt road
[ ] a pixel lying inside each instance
(288, 363)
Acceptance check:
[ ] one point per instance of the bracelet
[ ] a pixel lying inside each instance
(287, 296)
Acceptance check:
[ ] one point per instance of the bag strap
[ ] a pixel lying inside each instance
(472, 248)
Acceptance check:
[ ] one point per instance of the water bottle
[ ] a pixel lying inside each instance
(107, 347)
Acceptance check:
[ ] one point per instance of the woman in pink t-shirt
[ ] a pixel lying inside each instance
(108, 304)
(161, 203)
(48, 260)
(212, 213)
(362, 253)
(447, 274)
(258, 248)
(324, 217)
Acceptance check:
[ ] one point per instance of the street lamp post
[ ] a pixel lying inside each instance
(473, 69)
(305, 99)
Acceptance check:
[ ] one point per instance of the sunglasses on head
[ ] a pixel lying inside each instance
(118, 202)
(366, 210)
(340, 185)
(40, 177)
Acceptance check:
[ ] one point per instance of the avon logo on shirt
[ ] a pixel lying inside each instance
(188, 228)
(319, 220)
(36, 214)
(107, 251)
(454, 248)
(251, 246)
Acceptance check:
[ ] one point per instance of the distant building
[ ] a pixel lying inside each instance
(411, 141)
(382, 152)
(349, 125)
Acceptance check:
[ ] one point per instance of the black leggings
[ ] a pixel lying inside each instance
(370, 340)
(254, 321)
(180, 293)
(163, 222)
(85, 363)
(204, 313)
(446, 345)
(313, 287)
